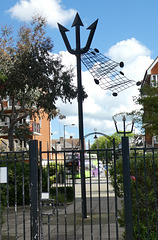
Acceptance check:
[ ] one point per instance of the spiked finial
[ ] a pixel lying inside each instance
(77, 21)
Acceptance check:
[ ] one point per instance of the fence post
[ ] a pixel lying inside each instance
(33, 162)
(127, 188)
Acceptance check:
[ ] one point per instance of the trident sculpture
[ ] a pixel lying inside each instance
(77, 52)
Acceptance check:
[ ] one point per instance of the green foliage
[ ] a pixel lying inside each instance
(60, 195)
(149, 102)
(107, 142)
(31, 75)
(23, 132)
(57, 175)
(146, 114)
(18, 177)
(144, 179)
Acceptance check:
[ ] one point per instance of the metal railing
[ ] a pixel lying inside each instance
(25, 177)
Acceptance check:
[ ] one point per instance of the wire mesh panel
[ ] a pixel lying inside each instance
(106, 72)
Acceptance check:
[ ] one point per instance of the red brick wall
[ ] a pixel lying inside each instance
(154, 70)
(45, 131)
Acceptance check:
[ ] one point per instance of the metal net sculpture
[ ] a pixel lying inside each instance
(105, 72)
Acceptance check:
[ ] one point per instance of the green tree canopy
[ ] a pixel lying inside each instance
(107, 142)
(147, 114)
(31, 75)
(148, 100)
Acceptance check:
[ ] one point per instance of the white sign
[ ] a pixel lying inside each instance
(45, 195)
(3, 174)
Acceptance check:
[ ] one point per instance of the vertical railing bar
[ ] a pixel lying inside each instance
(108, 207)
(48, 172)
(0, 213)
(15, 159)
(40, 194)
(146, 207)
(7, 196)
(73, 184)
(100, 232)
(82, 204)
(48, 227)
(0, 209)
(115, 184)
(127, 188)
(23, 190)
(0, 204)
(136, 175)
(65, 195)
(34, 203)
(91, 205)
(155, 189)
(56, 170)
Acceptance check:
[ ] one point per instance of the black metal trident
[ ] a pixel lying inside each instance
(77, 52)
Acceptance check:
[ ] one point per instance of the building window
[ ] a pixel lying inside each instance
(154, 80)
(40, 122)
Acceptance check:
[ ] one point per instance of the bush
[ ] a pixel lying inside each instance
(19, 183)
(144, 180)
(61, 194)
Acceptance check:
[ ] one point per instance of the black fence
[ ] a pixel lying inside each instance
(41, 194)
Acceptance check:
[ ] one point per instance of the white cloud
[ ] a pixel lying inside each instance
(128, 51)
(100, 105)
(52, 10)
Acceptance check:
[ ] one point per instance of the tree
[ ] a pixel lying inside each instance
(104, 142)
(147, 114)
(31, 77)
(149, 111)
(143, 193)
(107, 142)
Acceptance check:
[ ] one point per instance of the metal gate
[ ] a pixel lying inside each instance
(41, 194)
(62, 186)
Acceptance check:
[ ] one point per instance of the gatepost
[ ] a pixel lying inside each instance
(126, 180)
(34, 211)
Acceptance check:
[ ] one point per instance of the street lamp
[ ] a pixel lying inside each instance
(64, 132)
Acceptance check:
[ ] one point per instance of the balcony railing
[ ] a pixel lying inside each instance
(35, 127)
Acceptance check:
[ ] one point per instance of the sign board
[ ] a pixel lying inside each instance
(3, 174)
(45, 195)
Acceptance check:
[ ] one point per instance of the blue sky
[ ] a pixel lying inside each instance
(126, 30)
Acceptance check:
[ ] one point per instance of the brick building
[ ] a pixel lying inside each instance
(40, 128)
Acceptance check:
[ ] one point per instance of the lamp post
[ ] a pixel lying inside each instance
(64, 132)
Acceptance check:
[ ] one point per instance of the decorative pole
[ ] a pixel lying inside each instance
(126, 179)
(77, 52)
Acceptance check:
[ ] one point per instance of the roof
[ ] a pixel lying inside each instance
(148, 71)
(152, 65)
(69, 143)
